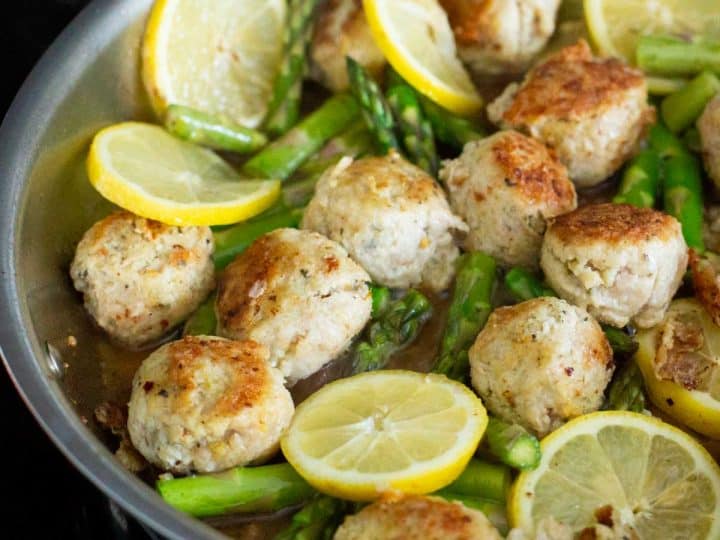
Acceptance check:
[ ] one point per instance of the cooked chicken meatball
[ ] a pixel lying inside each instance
(342, 30)
(592, 111)
(709, 127)
(391, 217)
(621, 263)
(140, 278)
(204, 404)
(505, 187)
(415, 516)
(540, 363)
(497, 36)
(299, 294)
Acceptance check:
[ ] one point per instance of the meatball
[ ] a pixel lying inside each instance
(204, 404)
(505, 187)
(540, 363)
(299, 294)
(140, 278)
(497, 36)
(416, 516)
(391, 217)
(621, 263)
(342, 30)
(709, 127)
(592, 111)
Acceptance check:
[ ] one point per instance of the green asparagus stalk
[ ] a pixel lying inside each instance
(284, 106)
(282, 157)
(318, 520)
(394, 329)
(665, 143)
(670, 56)
(524, 286)
(681, 109)
(212, 131)
(234, 240)
(482, 479)
(376, 111)
(683, 198)
(244, 489)
(641, 180)
(203, 322)
(381, 300)
(449, 128)
(469, 310)
(512, 444)
(355, 141)
(625, 392)
(691, 139)
(416, 131)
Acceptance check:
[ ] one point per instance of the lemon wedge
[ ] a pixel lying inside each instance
(616, 25)
(657, 481)
(141, 168)
(416, 38)
(359, 437)
(697, 408)
(220, 57)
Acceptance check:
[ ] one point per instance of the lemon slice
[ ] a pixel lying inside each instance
(698, 408)
(658, 480)
(382, 431)
(616, 25)
(219, 57)
(141, 168)
(416, 38)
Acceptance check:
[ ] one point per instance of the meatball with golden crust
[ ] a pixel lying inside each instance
(592, 111)
(416, 516)
(621, 263)
(540, 363)
(299, 294)
(205, 404)
(709, 127)
(497, 36)
(506, 187)
(393, 219)
(342, 30)
(140, 278)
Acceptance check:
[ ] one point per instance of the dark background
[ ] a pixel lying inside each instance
(42, 495)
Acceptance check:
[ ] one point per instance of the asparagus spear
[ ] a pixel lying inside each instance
(449, 128)
(318, 520)
(691, 139)
(233, 240)
(395, 328)
(512, 444)
(284, 106)
(641, 180)
(625, 392)
(416, 131)
(243, 489)
(282, 157)
(663, 55)
(482, 479)
(681, 109)
(212, 131)
(524, 286)
(381, 300)
(683, 197)
(375, 109)
(469, 310)
(665, 143)
(203, 322)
